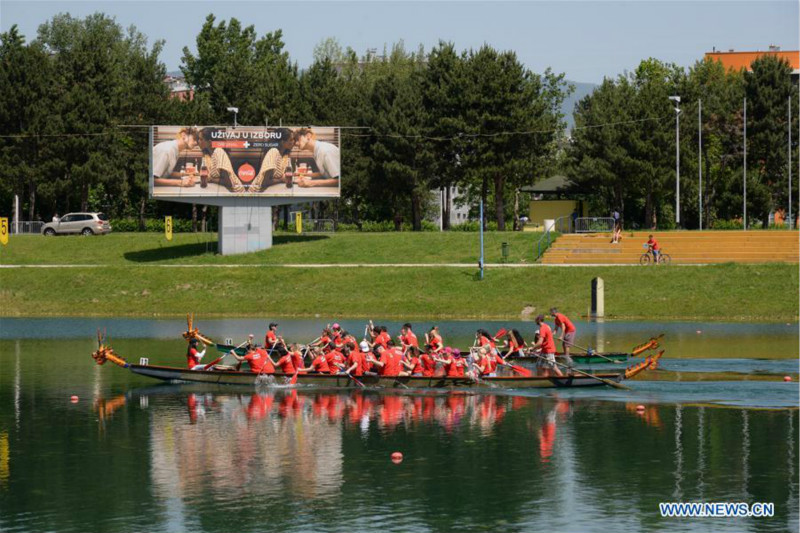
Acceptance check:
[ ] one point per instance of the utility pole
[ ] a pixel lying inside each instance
(744, 200)
(677, 100)
(700, 161)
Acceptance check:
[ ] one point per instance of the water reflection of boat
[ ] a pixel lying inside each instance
(343, 381)
(386, 410)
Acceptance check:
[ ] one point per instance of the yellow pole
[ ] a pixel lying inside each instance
(298, 222)
(4, 231)
(168, 227)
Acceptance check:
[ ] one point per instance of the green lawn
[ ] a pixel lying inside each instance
(153, 248)
(720, 292)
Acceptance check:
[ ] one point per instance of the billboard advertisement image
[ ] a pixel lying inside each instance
(218, 161)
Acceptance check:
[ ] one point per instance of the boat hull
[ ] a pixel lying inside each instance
(342, 381)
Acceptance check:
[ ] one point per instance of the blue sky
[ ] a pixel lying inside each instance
(587, 40)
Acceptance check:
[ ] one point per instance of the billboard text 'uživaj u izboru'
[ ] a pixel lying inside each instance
(245, 161)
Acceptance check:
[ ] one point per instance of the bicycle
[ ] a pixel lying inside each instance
(647, 258)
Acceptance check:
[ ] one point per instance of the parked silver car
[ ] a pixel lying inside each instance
(75, 223)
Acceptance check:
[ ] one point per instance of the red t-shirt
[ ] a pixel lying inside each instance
(410, 339)
(320, 364)
(428, 365)
(297, 360)
(383, 339)
(564, 323)
(654, 244)
(192, 358)
(335, 360)
(512, 344)
(485, 340)
(391, 363)
(546, 336)
(270, 339)
(455, 368)
(416, 366)
(259, 362)
(435, 342)
(356, 357)
(286, 364)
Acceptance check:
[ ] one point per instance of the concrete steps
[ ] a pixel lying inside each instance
(685, 247)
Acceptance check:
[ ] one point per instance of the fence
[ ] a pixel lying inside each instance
(594, 225)
(26, 227)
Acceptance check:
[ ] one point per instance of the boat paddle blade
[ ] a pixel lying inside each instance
(294, 378)
(500, 333)
(522, 371)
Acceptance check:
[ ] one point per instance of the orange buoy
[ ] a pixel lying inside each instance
(73, 399)
(397, 457)
(787, 378)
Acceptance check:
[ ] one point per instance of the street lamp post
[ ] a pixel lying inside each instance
(235, 111)
(677, 100)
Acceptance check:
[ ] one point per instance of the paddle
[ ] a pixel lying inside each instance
(598, 378)
(294, 378)
(221, 357)
(591, 352)
(351, 376)
(500, 333)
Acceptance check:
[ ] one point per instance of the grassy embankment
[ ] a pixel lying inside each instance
(127, 284)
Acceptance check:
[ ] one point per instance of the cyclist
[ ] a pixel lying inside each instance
(654, 248)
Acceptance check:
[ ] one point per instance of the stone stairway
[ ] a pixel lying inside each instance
(685, 247)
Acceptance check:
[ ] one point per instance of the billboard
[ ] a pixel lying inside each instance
(244, 161)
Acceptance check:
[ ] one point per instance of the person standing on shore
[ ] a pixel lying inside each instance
(567, 336)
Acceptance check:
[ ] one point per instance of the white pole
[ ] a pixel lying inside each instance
(700, 161)
(16, 214)
(441, 209)
(744, 199)
(677, 166)
(790, 163)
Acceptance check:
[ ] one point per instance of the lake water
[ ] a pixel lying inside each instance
(136, 455)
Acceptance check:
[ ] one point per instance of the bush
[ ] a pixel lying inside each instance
(155, 225)
(726, 224)
(474, 225)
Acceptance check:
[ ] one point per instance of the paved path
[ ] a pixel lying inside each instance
(342, 265)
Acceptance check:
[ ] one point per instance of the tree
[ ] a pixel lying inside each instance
(768, 87)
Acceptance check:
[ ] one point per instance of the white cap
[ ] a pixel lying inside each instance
(364, 346)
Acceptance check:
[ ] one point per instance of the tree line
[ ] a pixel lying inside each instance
(76, 100)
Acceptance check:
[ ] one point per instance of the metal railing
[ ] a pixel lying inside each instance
(26, 227)
(319, 225)
(561, 225)
(594, 225)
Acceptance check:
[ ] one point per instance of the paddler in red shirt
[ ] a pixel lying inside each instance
(286, 364)
(567, 336)
(388, 364)
(412, 364)
(452, 362)
(193, 356)
(407, 337)
(433, 339)
(485, 340)
(548, 346)
(428, 364)
(318, 364)
(274, 342)
(257, 359)
(356, 361)
(514, 344)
